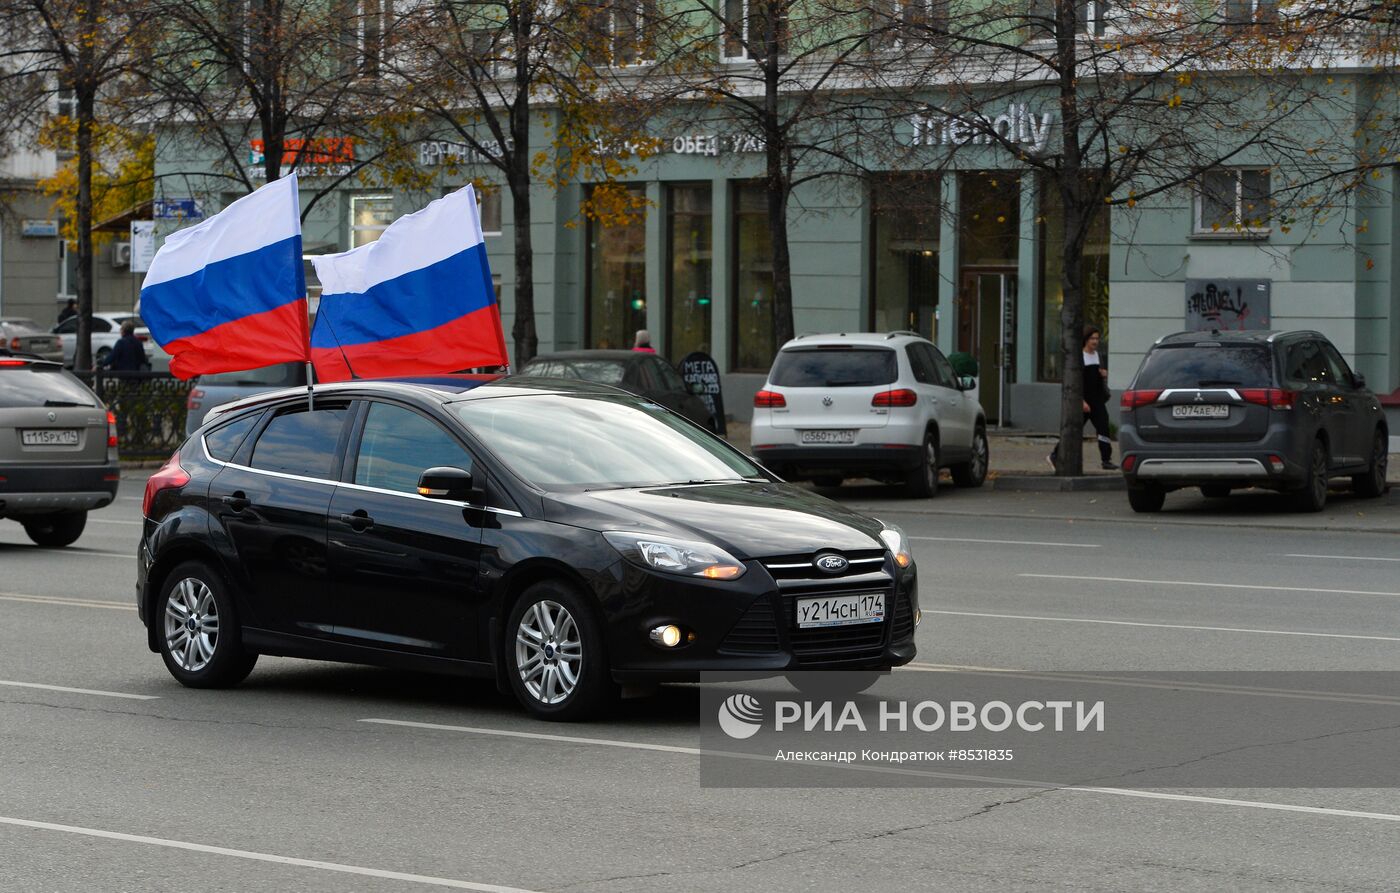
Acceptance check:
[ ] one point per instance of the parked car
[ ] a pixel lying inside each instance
(209, 391)
(21, 335)
(58, 450)
(641, 373)
(1226, 410)
(882, 406)
(563, 537)
(106, 329)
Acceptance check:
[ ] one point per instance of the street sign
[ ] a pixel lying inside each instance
(143, 244)
(38, 229)
(700, 369)
(178, 209)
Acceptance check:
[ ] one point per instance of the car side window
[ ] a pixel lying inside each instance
(666, 374)
(301, 442)
(398, 445)
(1306, 364)
(223, 442)
(1340, 371)
(944, 369)
(920, 363)
(99, 325)
(67, 327)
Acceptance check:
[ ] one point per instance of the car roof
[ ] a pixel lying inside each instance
(864, 339)
(620, 356)
(448, 388)
(1253, 336)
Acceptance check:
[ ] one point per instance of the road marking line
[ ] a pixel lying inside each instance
(1338, 557)
(1214, 629)
(60, 600)
(80, 691)
(958, 539)
(264, 857)
(892, 770)
(1212, 585)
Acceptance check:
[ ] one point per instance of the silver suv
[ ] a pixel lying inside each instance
(882, 406)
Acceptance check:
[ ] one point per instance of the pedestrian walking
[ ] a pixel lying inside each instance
(642, 344)
(128, 354)
(69, 310)
(1095, 399)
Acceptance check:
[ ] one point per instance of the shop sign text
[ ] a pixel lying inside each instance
(1018, 124)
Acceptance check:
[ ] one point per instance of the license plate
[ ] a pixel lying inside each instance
(829, 436)
(1200, 411)
(50, 437)
(841, 610)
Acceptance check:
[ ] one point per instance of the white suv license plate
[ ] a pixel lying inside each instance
(841, 610)
(50, 437)
(829, 436)
(1200, 411)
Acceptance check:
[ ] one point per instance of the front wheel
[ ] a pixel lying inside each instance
(200, 639)
(1147, 498)
(1371, 483)
(57, 530)
(923, 481)
(974, 471)
(556, 661)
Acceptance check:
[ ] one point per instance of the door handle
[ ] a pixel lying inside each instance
(359, 521)
(237, 501)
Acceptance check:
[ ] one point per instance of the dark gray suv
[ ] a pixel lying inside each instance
(1223, 410)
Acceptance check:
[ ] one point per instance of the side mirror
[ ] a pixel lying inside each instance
(1358, 380)
(446, 482)
(966, 383)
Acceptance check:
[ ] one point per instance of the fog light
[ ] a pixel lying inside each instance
(1276, 464)
(668, 636)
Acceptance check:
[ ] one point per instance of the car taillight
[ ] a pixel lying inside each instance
(1129, 462)
(769, 400)
(170, 477)
(1274, 398)
(143, 337)
(16, 344)
(1134, 399)
(192, 403)
(901, 397)
(14, 362)
(111, 428)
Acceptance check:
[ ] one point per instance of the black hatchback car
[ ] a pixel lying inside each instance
(640, 372)
(563, 537)
(1279, 410)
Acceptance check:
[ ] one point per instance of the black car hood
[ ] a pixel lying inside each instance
(750, 520)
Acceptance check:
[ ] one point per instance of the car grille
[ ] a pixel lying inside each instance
(835, 644)
(755, 633)
(797, 577)
(903, 624)
(867, 570)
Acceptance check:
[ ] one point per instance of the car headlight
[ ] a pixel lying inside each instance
(898, 544)
(686, 558)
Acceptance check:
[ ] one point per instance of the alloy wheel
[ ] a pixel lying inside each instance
(548, 652)
(1319, 474)
(979, 455)
(191, 624)
(931, 464)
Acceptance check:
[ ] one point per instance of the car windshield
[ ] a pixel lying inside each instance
(41, 385)
(834, 367)
(279, 376)
(1219, 365)
(599, 442)
(601, 371)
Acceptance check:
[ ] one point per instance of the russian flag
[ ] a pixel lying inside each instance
(230, 294)
(417, 300)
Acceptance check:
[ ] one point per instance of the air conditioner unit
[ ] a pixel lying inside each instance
(121, 254)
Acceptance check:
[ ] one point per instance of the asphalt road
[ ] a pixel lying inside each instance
(113, 777)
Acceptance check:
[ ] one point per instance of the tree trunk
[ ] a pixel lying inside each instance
(779, 184)
(85, 97)
(527, 341)
(1070, 453)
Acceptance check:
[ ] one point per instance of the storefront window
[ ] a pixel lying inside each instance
(754, 346)
(690, 236)
(904, 223)
(370, 215)
(617, 290)
(1052, 293)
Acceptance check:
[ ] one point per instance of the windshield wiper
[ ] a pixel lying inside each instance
(64, 403)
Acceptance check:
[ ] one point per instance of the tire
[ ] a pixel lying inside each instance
(974, 471)
(57, 530)
(1215, 491)
(1371, 482)
(195, 598)
(829, 481)
(839, 683)
(556, 660)
(1147, 498)
(923, 481)
(1312, 496)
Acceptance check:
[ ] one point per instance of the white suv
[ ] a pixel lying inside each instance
(887, 407)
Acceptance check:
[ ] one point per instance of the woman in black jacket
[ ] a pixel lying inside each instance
(1096, 395)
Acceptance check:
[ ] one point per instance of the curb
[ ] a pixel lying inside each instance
(1045, 483)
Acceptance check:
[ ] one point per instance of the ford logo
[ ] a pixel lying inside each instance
(832, 564)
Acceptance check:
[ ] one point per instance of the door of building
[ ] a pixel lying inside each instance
(987, 331)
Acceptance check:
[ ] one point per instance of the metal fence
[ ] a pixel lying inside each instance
(150, 408)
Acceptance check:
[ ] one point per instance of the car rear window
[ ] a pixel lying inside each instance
(840, 367)
(41, 385)
(602, 371)
(1216, 365)
(283, 375)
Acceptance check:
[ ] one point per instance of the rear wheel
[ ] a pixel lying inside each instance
(923, 481)
(1371, 482)
(556, 661)
(1215, 491)
(200, 639)
(56, 530)
(974, 471)
(1147, 498)
(1312, 496)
